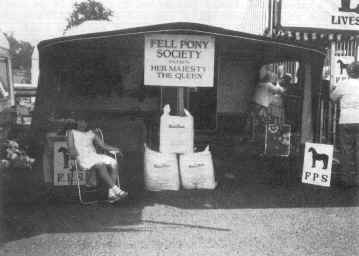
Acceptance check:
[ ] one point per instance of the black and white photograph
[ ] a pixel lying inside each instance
(177, 128)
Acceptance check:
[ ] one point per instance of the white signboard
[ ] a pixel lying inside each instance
(64, 171)
(322, 14)
(179, 60)
(340, 68)
(317, 166)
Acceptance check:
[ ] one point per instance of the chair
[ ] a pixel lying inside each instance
(72, 154)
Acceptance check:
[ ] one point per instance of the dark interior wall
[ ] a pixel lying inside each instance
(106, 79)
(236, 83)
(237, 80)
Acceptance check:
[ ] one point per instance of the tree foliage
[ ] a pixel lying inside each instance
(88, 10)
(20, 52)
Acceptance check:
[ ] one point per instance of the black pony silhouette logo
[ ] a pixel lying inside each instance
(342, 66)
(318, 157)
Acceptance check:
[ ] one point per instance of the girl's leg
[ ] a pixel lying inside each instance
(104, 175)
(114, 171)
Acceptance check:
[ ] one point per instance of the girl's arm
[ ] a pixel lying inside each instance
(275, 88)
(105, 146)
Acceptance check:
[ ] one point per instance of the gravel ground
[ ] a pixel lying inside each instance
(233, 219)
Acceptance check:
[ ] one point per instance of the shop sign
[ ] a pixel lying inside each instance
(179, 60)
(340, 68)
(317, 166)
(64, 171)
(328, 14)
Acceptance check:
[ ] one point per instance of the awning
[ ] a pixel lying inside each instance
(313, 36)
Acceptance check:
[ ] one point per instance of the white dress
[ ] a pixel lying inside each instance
(87, 155)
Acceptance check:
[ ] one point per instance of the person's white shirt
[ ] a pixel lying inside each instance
(265, 92)
(348, 94)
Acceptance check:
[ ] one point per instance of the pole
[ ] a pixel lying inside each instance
(180, 101)
(333, 111)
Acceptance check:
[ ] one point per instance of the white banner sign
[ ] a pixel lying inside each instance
(340, 68)
(317, 166)
(179, 60)
(63, 169)
(322, 14)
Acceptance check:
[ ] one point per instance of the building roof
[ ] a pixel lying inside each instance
(92, 26)
(103, 30)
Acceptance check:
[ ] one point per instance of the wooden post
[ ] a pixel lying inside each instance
(180, 101)
(306, 127)
(332, 112)
(321, 119)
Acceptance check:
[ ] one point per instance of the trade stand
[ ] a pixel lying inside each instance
(112, 76)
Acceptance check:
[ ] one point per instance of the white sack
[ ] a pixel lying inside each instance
(161, 171)
(176, 132)
(197, 170)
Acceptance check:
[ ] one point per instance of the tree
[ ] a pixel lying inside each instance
(88, 10)
(20, 52)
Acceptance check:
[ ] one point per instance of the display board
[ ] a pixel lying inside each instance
(319, 14)
(340, 68)
(317, 166)
(277, 139)
(64, 171)
(179, 60)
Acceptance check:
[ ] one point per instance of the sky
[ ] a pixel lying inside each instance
(36, 20)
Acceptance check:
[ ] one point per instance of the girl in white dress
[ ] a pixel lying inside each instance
(107, 168)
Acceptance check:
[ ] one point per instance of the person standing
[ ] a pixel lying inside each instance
(265, 93)
(347, 94)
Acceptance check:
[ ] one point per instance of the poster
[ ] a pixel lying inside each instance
(179, 60)
(317, 166)
(340, 68)
(277, 140)
(64, 169)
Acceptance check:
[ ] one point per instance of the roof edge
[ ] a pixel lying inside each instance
(180, 27)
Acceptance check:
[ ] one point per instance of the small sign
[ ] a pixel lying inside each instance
(277, 140)
(317, 166)
(340, 68)
(64, 169)
(179, 60)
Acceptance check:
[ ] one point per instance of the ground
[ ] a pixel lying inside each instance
(244, 220)
(247, 214)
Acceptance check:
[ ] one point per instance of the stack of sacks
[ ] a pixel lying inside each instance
(161, 168)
